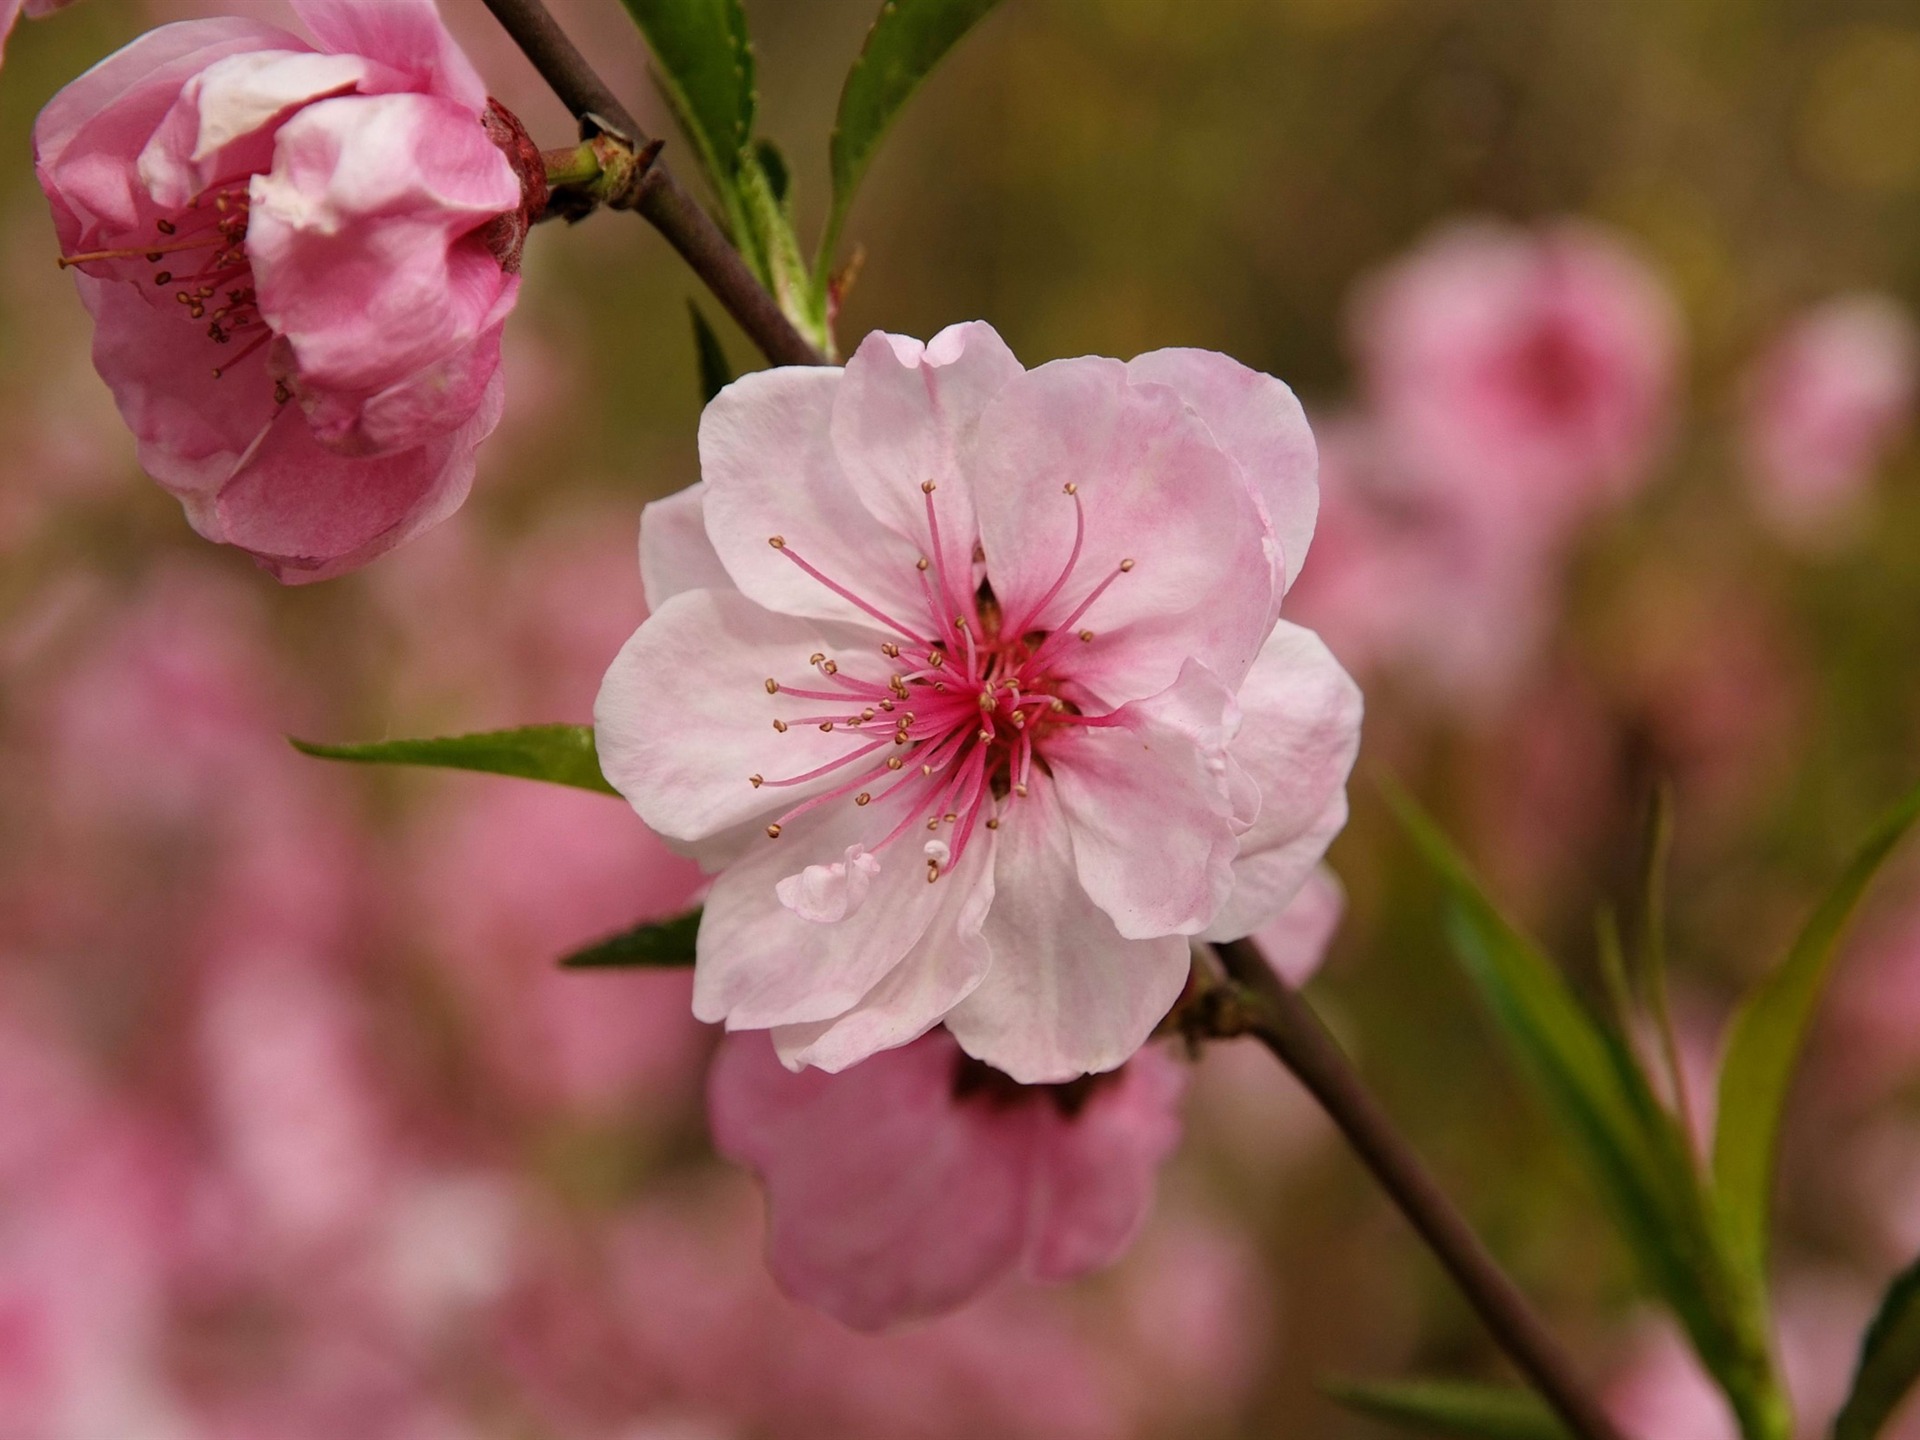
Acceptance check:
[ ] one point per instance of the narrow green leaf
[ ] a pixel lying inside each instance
(658, 945)
(908, 39)
(773, 164)
(716, 373)
(770, 223)
(703, 61)
(1763, 1047)
(1629, 1141)
(1452, 1407)
(1889, 1361)
(560, 754)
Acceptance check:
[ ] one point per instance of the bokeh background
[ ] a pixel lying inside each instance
(301, 1134)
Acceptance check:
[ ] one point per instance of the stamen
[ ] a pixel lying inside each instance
(1073, 559)
(779, 543)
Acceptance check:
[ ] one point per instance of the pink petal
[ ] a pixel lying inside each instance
(760, 965)
(684, 717)
(1299, 734)
(405, 34)
(770, 468)
(887, 1200)
(308, 513)
(1157, 490)
(224, 122)
(1149, 808)
(675, 553)
(1296, 943)
(364, 248)
(192, 427)
(1066, 994)
(1096, 1170)
(907, 413)
(87, 136)
(942, 969)
(1260, 424)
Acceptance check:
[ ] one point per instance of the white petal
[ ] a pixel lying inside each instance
(675, 553)
(1066, 994)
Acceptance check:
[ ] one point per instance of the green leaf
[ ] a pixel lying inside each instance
(1889, 1361)
(658, 945)
(703, 61)
(908, 39)
(1631, 1144)
(560, 754)
(769, 221)
(1763, 1047)
(1450, 1407)
(715, 371)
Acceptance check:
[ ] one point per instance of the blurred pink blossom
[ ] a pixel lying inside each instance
(906, 1185)
(860, 516)
(513, 876)
(1534, 369)
(1825, 403)
(298, 259)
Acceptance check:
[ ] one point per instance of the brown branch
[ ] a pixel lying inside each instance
(663, 202)
(1283, 1022)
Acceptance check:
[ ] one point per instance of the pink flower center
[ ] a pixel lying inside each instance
(973, 699)
(202, 250)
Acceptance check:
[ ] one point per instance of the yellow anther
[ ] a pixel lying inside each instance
(756, 781)
(1125, 565)
(933, 871)
(778, 542)
(1086, 635)
(1071, 488)
(781, 726)
(934, 823)
(927, 487)
(863, 797)
(1021, 791)
(773, 832)
(894, 762)
(986, 736)
(867, 714)
(886, 704)
(826, 725)
(890, 650)
(949, 817)
(773, 686)
(921, 563)
(816, 657)
(994, 824)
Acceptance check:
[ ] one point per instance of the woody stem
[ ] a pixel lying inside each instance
(1280, 1019)
(662, 201)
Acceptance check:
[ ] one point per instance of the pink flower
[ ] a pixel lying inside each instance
(908, 1184)
(1048, 727)
(1538, 367)
(298, 259)
(1826, 402)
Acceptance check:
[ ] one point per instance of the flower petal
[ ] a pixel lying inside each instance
(759, 965)
(85, 135)
(309, 513)
(1299, 734)
(1157, 490)
(223, 124)
(942, 969)
(684, 716)
(1260, 424)
(406, 34)
(1066, 994)
(363, 241)
(1150, 808)
(767, 456)
(1095, 1171)
(675, 553)
(887, 1200)
(907, 413)
(1296, 943)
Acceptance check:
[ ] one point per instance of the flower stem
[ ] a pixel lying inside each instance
(663, 202)
(1269, 1010)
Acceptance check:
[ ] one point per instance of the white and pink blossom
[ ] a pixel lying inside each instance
(969, 681)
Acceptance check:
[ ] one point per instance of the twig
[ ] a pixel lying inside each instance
(663, 202)
(1287, 1026)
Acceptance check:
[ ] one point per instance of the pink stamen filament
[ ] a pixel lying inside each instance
(1073, 559)
(845, 594)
